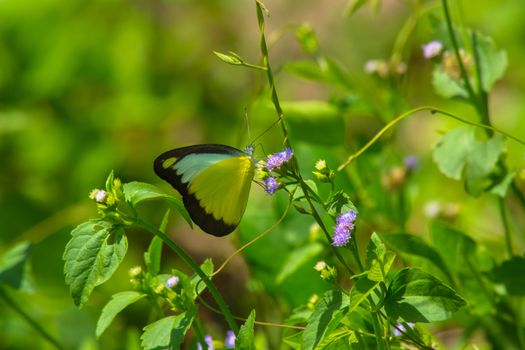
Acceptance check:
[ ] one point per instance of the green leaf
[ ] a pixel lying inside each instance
(360, 291)
(501, 188)
(340, 203)
(354, 6)
(153, 255)
(447, 86)
(493, 62)
(207, 268)
(316, 122)
(167, 333)
(245, 337)
(417, 296)
(307, 38)
(91, 256)
(231, 58)
(13, 265)
(117, 303)
(326, 317)
(405, 243)
(375, 249)
(459, 149)
(510, 273)
(136, 192)
(298, 258)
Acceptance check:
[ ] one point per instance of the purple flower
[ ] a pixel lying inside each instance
(229, 341)
(271, 185)
(343, 227)
(411, 162)
(399, 329)
(209, 342)
(276, 160)
(432, 49)
(173, 280)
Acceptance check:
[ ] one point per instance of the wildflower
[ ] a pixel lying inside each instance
(276, 160)
(432, 209)
(320, 265)
(209, 342)
(229, 341)
(271, 185)
(432, 49)
(411, 162)
(322, 172)
(451, 66)
(344, 226)
(400, 328)
(172, 281)
(98, 195)
(379, 67)
(400, 68)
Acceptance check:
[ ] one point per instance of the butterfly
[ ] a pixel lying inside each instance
(213, 180)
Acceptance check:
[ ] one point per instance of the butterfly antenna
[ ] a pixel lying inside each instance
(266, 130)
(247, 122)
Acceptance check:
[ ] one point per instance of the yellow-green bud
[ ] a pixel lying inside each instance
(135, 271)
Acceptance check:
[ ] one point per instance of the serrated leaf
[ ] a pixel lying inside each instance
(459, 149)
(340, 203)
(245, 337)
(92, 255)
(417, 296)
(136, 192)
(360, 291)
(297, 258)
(405, 243)
(167, 333)
(117, 303)
(510, 273)
(13, 265)
(327, 315)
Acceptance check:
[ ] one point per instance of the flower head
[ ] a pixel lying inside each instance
(229, 341)
(271, 185)
(432, 49)
(411, 162)
(344, 226)
(276, 160)
(320, 266)
(98, 195)
(209, 343)
(400, 328)
(172, 281)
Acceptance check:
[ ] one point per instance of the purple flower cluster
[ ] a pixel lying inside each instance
(229, 341)
(271, 185)
(343, 228)
(276, 160)
(432, 49)
(209, 343)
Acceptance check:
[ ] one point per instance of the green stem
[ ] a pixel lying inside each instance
(504, 220)
(378, 331)
(518, 194)
(483, 96)
(413, 111)
(279, 110)
(4, 295)
(464, 76)
(189, 260)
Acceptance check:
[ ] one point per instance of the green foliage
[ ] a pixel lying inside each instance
(245, 339)
(417, 296)
(92, 255)
(83, 91)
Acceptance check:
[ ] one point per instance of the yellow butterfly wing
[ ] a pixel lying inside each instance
(214, 181)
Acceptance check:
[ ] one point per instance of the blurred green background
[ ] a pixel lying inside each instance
(87, 87)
